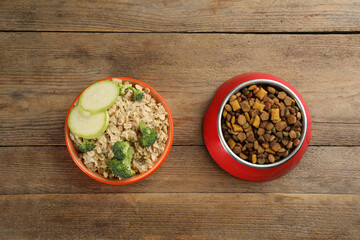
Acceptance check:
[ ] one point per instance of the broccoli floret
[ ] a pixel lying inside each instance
(138, 95)
(86, 146)
(122, 168)
(149, 135)
(123, 88)
(120, 149)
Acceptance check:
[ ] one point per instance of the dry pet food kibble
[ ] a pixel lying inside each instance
(262, 124)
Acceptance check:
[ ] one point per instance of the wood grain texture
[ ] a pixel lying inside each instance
(180, 16)
(41, 74)
(180, 216)
(26, 170)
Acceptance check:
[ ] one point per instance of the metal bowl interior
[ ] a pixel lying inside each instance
(274, 84)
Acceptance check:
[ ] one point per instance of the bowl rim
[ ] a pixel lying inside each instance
(270, 82)
(158, 161)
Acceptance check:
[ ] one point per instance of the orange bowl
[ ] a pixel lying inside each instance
(137, 177)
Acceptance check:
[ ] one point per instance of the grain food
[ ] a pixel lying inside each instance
(125, 116)
(261, 124)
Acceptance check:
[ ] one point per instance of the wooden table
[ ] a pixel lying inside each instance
(51, 50)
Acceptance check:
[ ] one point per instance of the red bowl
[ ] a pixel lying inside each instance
(223, 155)
(137, 177)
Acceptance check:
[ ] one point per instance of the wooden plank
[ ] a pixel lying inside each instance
(26, 170)
(41, 74)
(180, 16)
(180, 216)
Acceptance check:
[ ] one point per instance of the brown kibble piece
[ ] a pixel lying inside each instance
(276, 147)
(298, 115)
(237, 128)
(249, 129)
(290, 144)
(231, 143)
(256, 90)
(263, 124)
(261, 94)
(232, 120)
(261, 139)
(284, 142)
(241, 136)
(237, 149)
(260, 149)
(261, 160)
(258, 106)
(260, 131)
(279, 135)
(256, 122)
(225, 113)
(253, 158)
(267, 137)
(281, 150)
(288, 101)
(264, 116)
(280, 126)
(271, 90)
(245, 106)
(254, 112)
(291, 119)
(282, 95)
(228, 117)
(269, 150)
(266, 99)
(282, 106)
(267, 106)
(241, 120)
(269, 126)
(243, 156)
(251, 102)
(296, 142)
(286, 153)
(250, 137)
(247, 116)
(297, 124)
(275, 115)
(271, 158)
(250, 145)
(282, 113)
(292, 134)
(256, 145)
(228, 124)
(232, 98)
(228, 107)
(235, 105)
(252, 87)
(251, 121)
(265, 145)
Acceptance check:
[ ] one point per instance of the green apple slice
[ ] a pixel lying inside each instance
(99, 97)
(86, 125)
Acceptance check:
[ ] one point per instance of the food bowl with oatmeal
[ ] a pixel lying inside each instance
(257, 127)
(119, 130)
